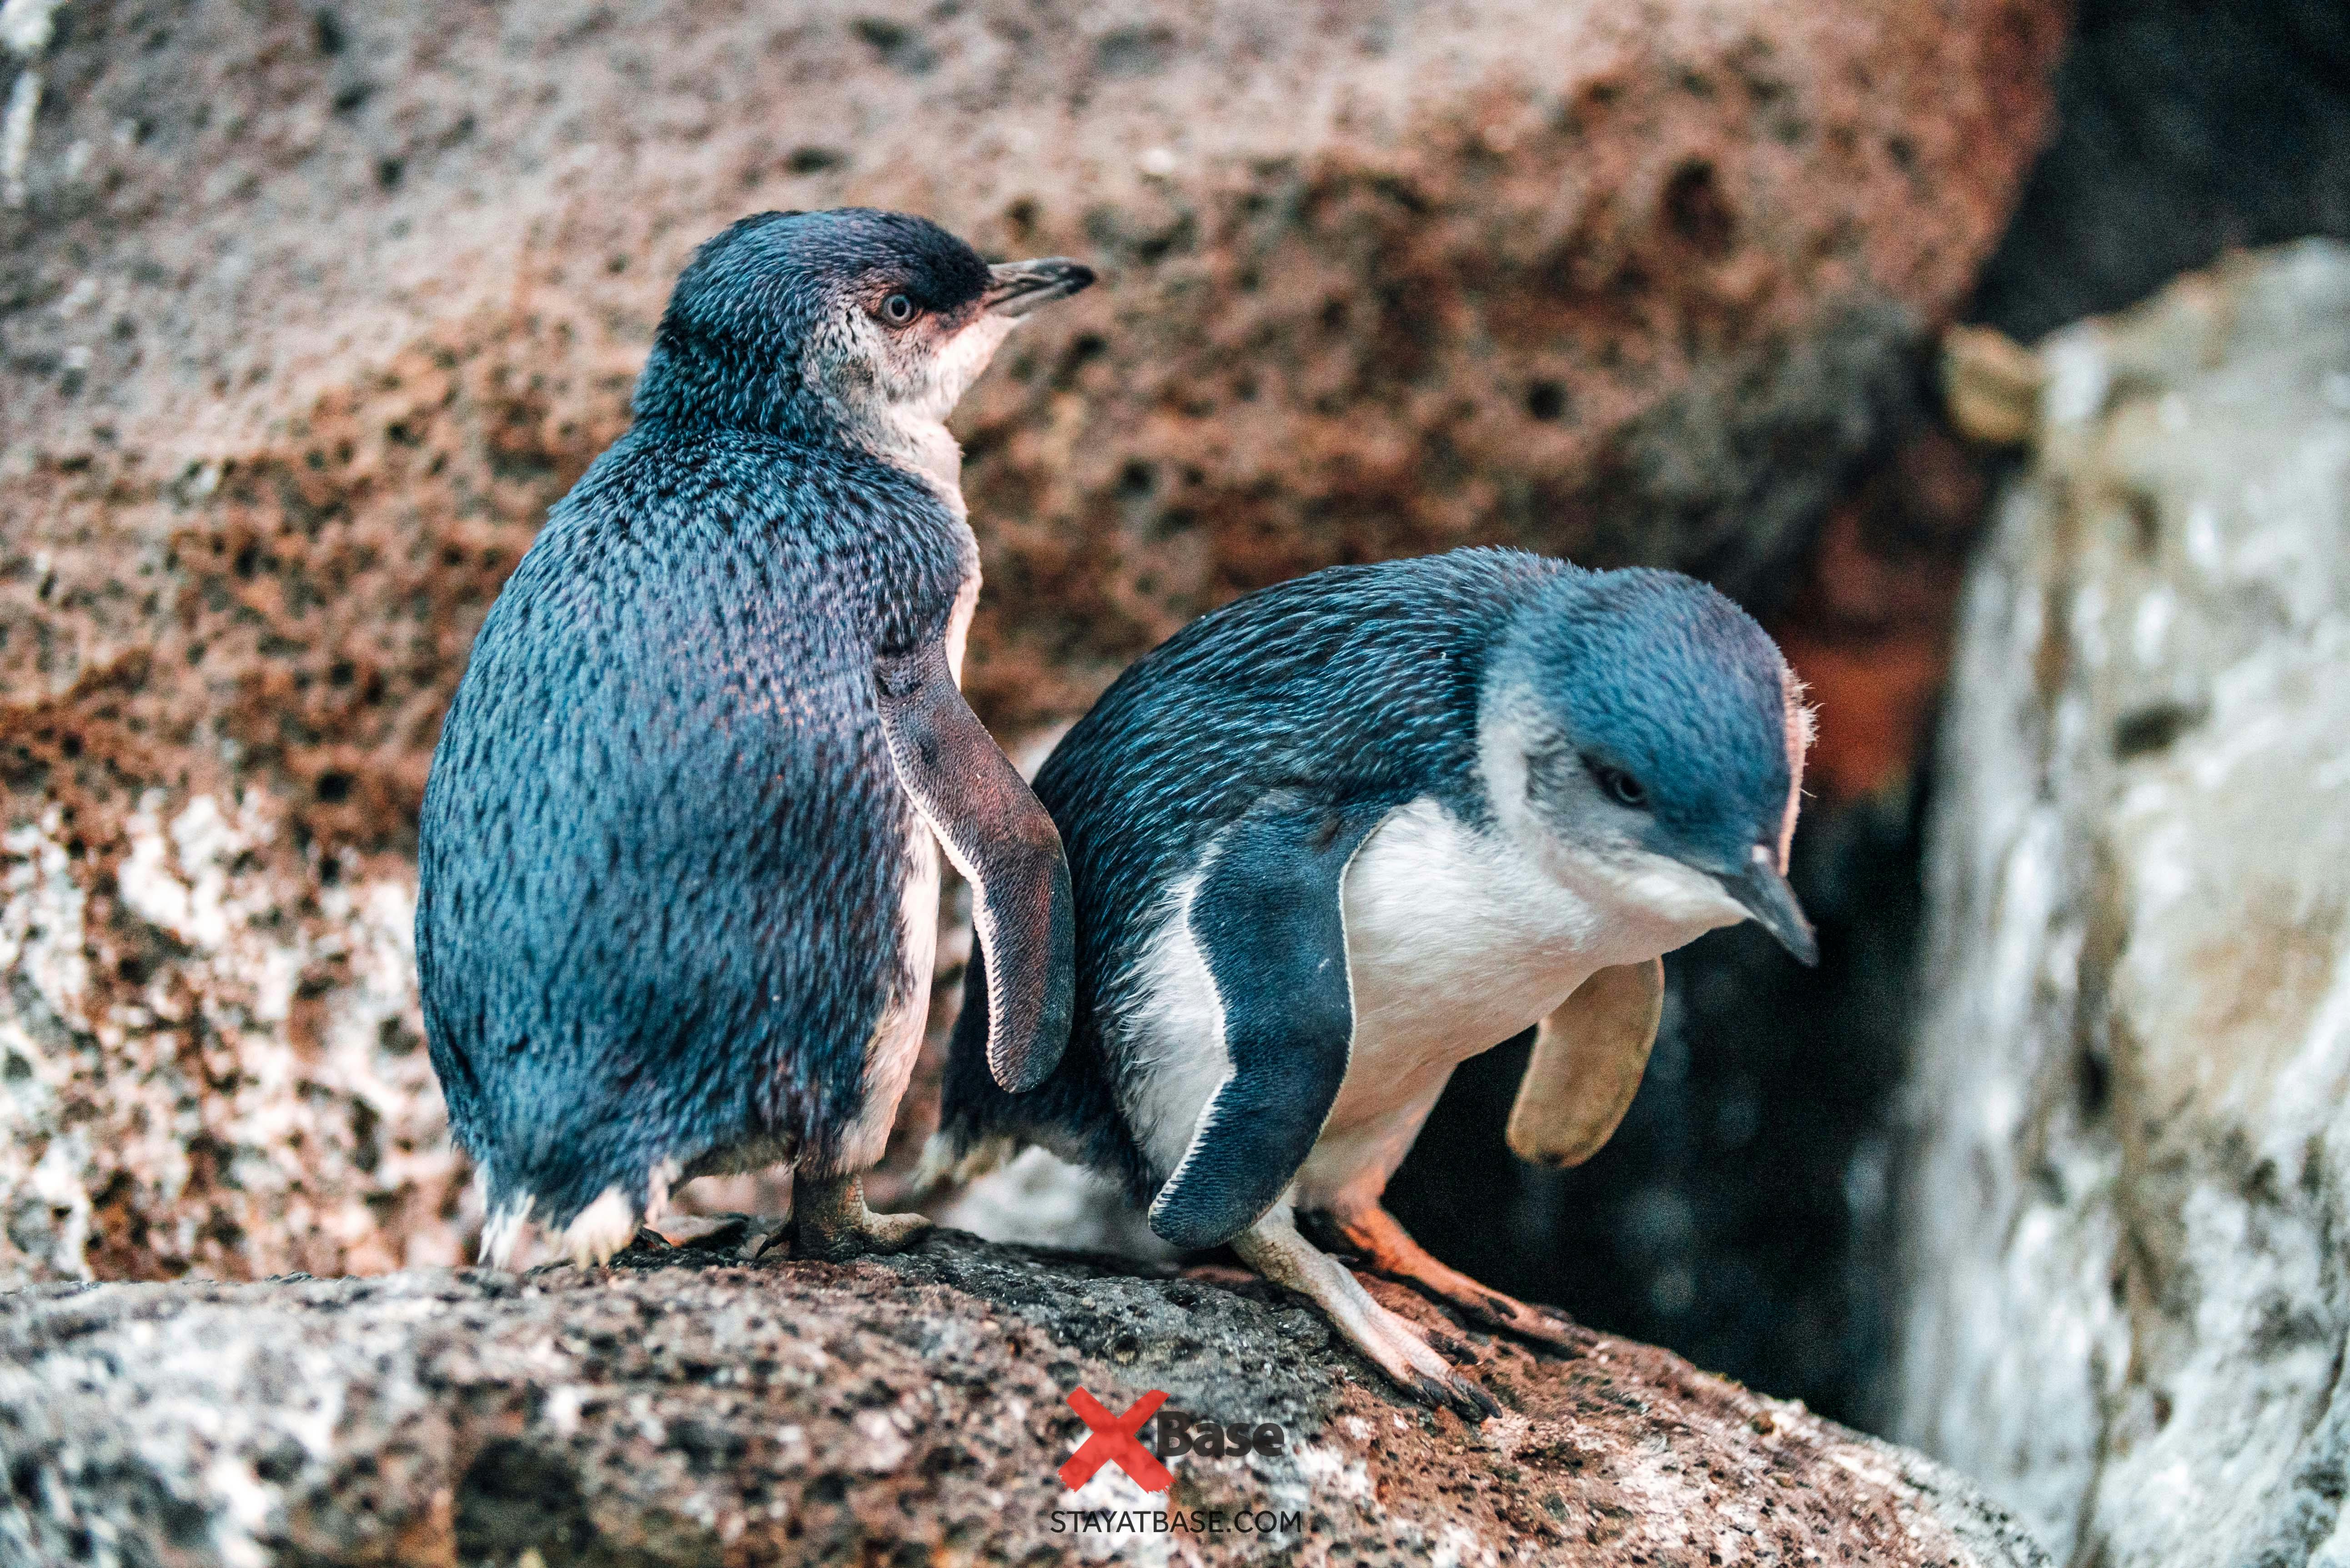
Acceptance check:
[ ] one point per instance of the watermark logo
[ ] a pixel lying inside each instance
(1110, 1441)
(1152, 1430)
(1121, 1440)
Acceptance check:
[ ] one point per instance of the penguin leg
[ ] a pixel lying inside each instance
(834, 1225)
(1386, 1249)
(1395, 1344)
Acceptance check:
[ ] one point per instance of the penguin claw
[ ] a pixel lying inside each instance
(1458, 1395)
(831, 1224)
(878, 1236)
(1387, 1250)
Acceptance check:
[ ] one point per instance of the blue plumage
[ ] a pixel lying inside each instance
(1348, 831)
(662, 851)
(675, 849)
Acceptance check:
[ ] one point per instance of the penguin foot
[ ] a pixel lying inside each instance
(833, 1224)
(1395, 1344)
(1386, 1249)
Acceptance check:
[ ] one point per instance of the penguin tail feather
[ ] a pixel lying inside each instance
(589, 1237)
(949, 1160)
(503, 1230)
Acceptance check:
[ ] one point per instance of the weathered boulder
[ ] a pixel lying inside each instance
(688, 1408)
(311, 311)
(2129, 1292)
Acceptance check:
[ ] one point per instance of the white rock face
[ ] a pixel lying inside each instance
(2129, 1199)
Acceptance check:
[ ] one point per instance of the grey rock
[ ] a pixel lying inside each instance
(2127, 1210)
(684, 1409)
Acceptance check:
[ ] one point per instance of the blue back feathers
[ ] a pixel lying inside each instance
(662, 848)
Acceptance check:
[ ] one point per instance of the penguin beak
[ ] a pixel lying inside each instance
(1018, 287)
(1764, 893)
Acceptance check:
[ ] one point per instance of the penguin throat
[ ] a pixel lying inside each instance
(892, 396)
(923, 447)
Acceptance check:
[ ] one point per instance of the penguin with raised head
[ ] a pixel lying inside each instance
(1342, 834)
(677, 885)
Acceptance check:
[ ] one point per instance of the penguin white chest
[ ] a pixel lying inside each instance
(1455, 941)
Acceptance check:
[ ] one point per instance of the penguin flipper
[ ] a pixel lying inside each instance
(1588, 1057)
(1002, 840)
(1268, 920)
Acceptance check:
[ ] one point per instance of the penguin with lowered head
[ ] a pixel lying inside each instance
(678, 877)
(1345, 833)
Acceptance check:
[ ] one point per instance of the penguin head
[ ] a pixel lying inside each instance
(1642, 731)
(852, 323)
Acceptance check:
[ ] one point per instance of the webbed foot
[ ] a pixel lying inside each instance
(832, 1224)
(1385, 1248)
(1395, 1344)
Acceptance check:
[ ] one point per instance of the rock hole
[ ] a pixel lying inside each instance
(897, 45)
(2094, 1084)
(2153, 728)
(1134, 52)
(1697, 210)
(517, 1497)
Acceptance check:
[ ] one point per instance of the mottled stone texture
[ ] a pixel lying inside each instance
(686, 1409)
(313, 309)
(2130, 1294)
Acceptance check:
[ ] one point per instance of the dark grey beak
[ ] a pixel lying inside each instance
(1018, 287)
(1766, 896)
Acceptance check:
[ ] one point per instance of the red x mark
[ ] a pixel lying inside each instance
(1112, 1442)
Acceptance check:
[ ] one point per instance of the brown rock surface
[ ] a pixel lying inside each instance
(312, 311)
(685, 1409)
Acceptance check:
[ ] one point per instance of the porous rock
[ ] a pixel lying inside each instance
(2128, 1289)
(688, 1408)
(311, 311)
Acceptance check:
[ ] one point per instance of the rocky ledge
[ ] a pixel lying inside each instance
(705, 1403)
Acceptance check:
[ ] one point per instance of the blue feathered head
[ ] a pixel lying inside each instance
(806, 322)
(1657, 716)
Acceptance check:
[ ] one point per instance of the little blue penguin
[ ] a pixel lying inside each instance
(1334, 839)
(677, 885)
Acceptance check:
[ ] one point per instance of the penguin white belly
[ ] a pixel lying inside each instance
(1455, 941)
(1174, 1027)
(898, 1036)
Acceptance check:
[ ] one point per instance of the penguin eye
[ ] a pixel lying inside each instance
(897, 310)
(1619, 787)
